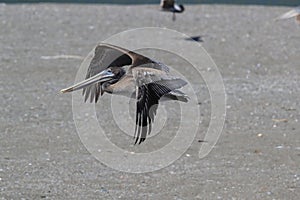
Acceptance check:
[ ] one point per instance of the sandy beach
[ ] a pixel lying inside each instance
(256, 157)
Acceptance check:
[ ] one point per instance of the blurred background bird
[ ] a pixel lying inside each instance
(295, 12)
(171, 6)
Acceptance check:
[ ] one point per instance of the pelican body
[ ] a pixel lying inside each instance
(171, 6)
(119, 71)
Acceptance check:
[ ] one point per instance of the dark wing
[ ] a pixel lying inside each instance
(148, 96)
(105, 56)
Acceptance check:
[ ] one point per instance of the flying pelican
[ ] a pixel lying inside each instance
(292, 13)
(119, 71)
(171, 6)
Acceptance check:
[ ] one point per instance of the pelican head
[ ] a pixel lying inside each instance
(118, 73)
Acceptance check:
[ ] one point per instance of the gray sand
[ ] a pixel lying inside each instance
(42, 156)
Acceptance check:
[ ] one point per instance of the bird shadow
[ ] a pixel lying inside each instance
(197, 38)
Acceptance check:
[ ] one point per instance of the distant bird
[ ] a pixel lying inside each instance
(171, 6)
(292, 13)
(195, 38)
(119, 71)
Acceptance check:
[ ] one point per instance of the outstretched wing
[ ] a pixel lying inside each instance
(105, 56)
(148, 96)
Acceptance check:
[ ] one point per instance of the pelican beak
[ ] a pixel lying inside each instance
(101, 77)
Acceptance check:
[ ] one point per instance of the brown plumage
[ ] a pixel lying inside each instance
(120, 71)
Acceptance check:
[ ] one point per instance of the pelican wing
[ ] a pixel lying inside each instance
(148, 96)
(105, 56)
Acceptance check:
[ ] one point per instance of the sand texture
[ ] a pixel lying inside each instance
(256, 157)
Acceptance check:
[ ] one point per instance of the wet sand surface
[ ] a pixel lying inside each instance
(256, 157)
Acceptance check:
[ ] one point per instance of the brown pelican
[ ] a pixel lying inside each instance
(171, 6)
(292, 13)
(120, 71)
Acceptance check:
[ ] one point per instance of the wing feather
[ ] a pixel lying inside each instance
(147, 103)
